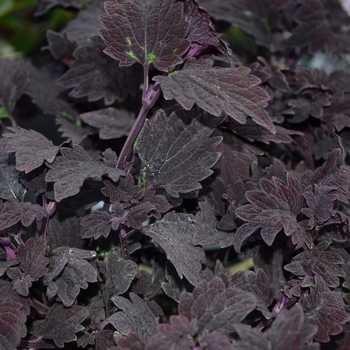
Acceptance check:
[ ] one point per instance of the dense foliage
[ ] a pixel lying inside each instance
(200, 199)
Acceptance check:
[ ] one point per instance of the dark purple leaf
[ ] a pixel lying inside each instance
(318, 262)
(32, 261)
(201, 30)
(10, 184)
(208, 234)
(217, 90)
(257, 284)
(215, 307)
(31, 257)
(174, 285)
(69, 171)
(136, 317)
(96, 224)
(120, 274)
(45, 93)
(176, 151)
(320, 29)
(69, 272)
(12, 324)
(333, 174)
(8, 295)
(24, 212)
(31, 147)
(125, 191)
(139, 214)
(46, 5)
(174, 234)
(215, 340)
(129, 342)
(320, 205)
(254, 17)
(90, 64)
(61, 324)
(288, 331)
(325, 309)
(150, 31)
(64, 229)
(61, 48)
(14, 77)
(178, 335)
(273, 208)
(71, 130)
(150, 285)
(237, 156)
(113, 123)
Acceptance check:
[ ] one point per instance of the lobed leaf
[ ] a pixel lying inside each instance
(145, 31)
(61, 324)
(110, 81)
(174, 234)
(136, 317)
(69, 272)
(176, 151)
(31, 148)
(14, 77)
(24, 212)
(72, 168)
(217, 90)
(215, 307)
(113, 123)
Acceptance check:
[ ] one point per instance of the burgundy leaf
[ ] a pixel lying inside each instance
(136, 317)
(325, 309)
(96, 224)
(69, 171)
(215, 340)
(129, 342)
(14, 77)
(71, 130)
(43, 90)
(24, 212)
(69, 272)
(288, 331)
(201, 30)
(217, 90)
(318, 262)
(150, 31)
(176, 151)
(46, 5)
(61, 324)
(177, 335)
(10, 184)
(318, 29)
(208, 233)
(320, 205)
(215, 307)
(258, 284)
(273, 208)
(61, 48)
(237, 156)
(31, 147)
(113, 123)
(174, 234)
(120, 274)
(110, 81)
(64, 229)
(333, 173)
(12, 324)
(254, 17)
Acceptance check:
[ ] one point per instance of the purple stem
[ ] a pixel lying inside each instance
(149, 98)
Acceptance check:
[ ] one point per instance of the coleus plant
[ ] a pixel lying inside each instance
(200, 199)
